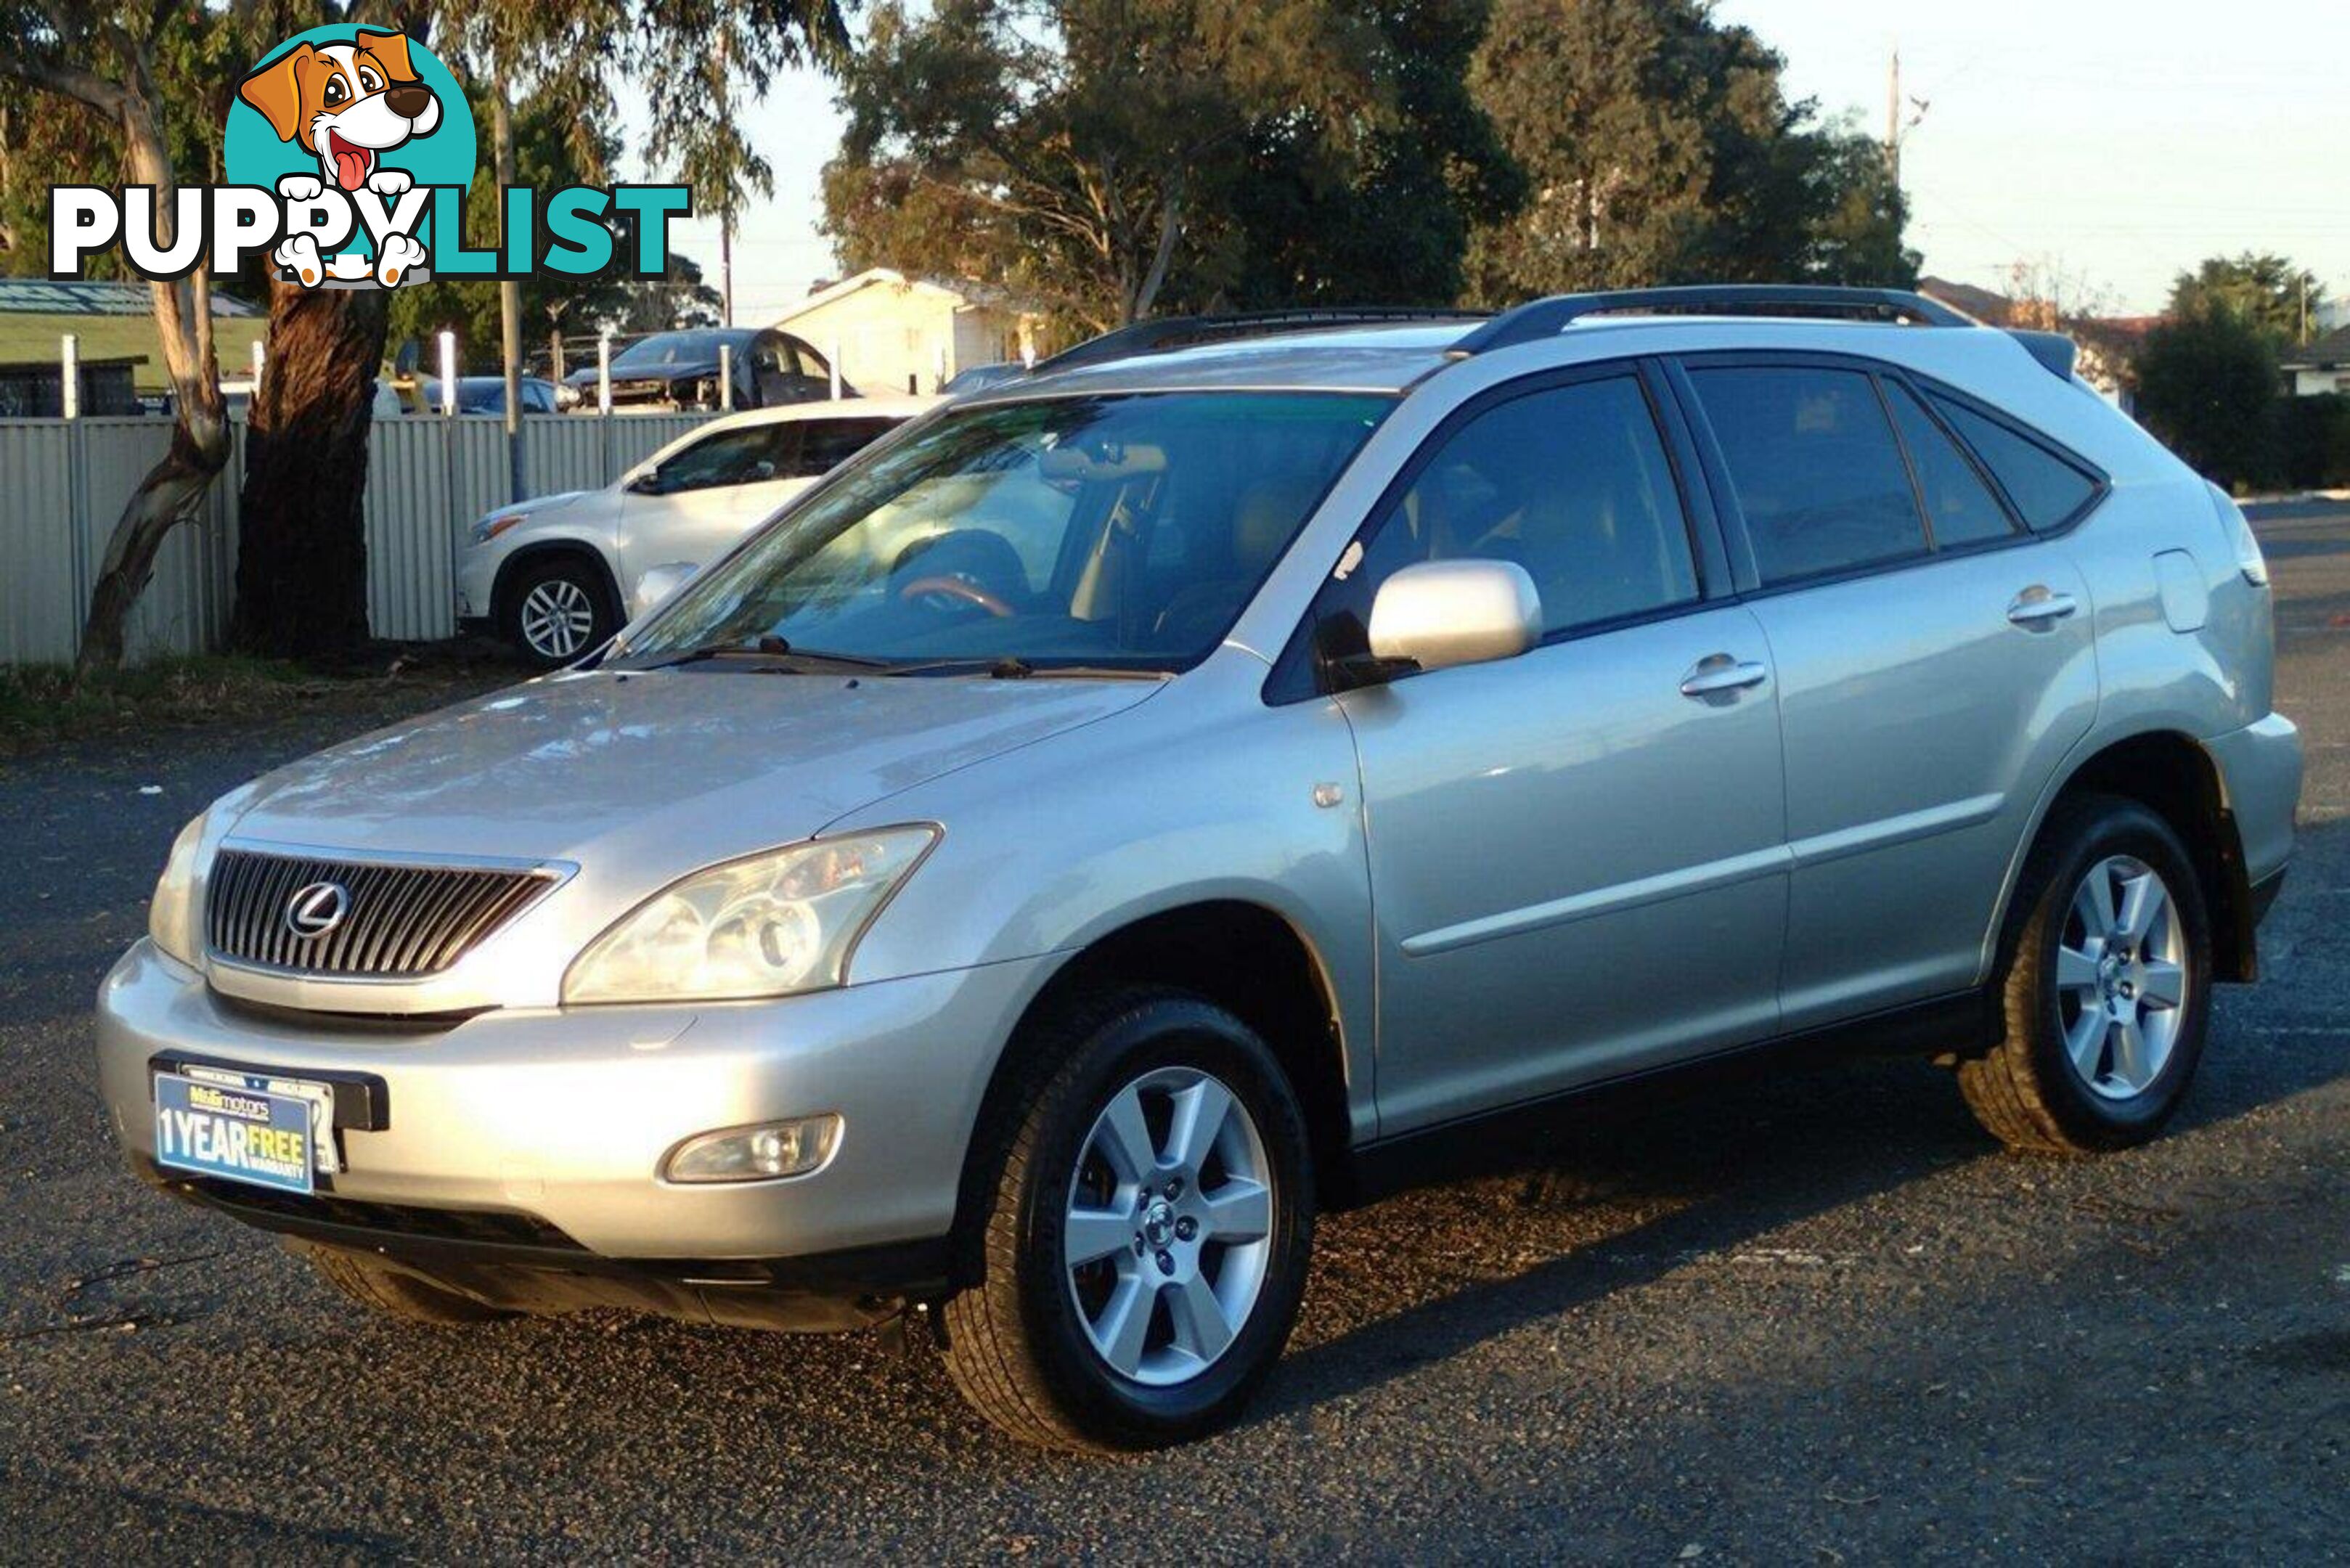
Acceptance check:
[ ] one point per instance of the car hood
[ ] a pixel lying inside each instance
(667, 370)
(538, 503)
(657, 770)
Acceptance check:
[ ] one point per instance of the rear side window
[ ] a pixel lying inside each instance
(826, 444)
(2047, 489)
(1816, 471)
(1959, 507)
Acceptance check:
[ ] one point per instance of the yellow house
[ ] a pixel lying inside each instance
(113, 325)
(890, 333)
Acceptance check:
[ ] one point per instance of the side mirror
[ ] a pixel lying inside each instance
(643, 481)
(659, 584)
(1438, 614)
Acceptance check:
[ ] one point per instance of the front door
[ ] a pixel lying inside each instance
(1577, 856)
(701, 498)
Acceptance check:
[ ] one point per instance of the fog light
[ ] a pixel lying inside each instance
(766, 1152)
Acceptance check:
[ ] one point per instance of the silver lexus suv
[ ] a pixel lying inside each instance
(1130, 809)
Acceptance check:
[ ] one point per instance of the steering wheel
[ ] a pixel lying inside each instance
(956, 588)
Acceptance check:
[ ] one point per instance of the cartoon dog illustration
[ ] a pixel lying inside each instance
(349, 103)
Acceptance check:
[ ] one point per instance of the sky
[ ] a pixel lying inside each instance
(2108, 143)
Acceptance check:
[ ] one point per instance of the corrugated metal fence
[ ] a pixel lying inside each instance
(63, 482)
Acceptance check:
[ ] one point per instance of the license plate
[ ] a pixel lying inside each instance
(244, 1126)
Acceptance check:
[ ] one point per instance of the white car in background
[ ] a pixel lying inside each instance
(557, 575)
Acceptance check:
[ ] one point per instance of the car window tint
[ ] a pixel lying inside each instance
(1815, 466)
(1959, 507)
(2044, 487)
(730, 457)
(1572, 484)
(826, 444)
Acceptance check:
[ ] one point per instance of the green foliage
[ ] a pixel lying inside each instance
(546, 156)
(1383, 219)
(2315, 441)
(2207, 384)
(1080, 153)
(2267, 291)
(1659, 148)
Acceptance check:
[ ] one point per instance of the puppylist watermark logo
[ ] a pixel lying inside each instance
(347, 153)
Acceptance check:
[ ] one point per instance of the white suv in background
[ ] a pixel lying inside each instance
(556, 575)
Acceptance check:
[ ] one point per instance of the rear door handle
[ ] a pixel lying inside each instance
(1719, 672)
(2036, 606)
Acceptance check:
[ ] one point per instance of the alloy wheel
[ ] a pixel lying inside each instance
(1167, 1238)
(556, 618)
(2122, 977)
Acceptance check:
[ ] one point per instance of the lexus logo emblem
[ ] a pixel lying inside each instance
(315, 909)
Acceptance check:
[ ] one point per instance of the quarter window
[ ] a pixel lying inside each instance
(1572, 484)
(1959, 507)
(1816, 471)
(2047, 489)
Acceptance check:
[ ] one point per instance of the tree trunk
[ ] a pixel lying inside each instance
(183, 330)
(301, 565)
(1170, 229)
(174, 487)
(167, 497)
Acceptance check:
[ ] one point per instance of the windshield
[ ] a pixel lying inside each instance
(671, 349)
(1121, 532)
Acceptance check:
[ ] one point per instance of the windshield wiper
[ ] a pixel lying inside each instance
(1012, 667)
(772, 648)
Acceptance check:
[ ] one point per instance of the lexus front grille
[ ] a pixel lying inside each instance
(357, 919)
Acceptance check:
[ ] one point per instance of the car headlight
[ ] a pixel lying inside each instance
(771, 924)
(171, 912)
(495, 524)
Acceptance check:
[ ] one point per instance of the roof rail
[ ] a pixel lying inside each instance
(1548, 317)
(1168, 333)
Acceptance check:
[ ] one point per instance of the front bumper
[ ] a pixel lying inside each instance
(477, 577)
(552, 1123)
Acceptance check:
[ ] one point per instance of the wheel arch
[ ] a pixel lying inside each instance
(512, 569)
(1244, 957)
(2173, 775)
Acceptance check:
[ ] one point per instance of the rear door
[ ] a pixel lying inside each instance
(1933, 662)
(1576, 855)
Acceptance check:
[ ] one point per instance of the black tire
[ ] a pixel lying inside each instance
(2026, 1090)
(398, 1294)
(576, 587)
(1016, 1344)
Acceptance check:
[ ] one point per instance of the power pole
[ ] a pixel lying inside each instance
(509, 290)
(1893, 118)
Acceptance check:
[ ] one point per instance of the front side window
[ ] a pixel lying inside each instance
(731, 457)
(1571, 482)
(1811, 458)
(1115, 531)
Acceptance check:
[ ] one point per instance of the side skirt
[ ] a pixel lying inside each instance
(1957, 1024)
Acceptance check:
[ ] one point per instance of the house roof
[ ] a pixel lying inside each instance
(40, 296)
(2319, 353)
(964, 293)
(1984, 305)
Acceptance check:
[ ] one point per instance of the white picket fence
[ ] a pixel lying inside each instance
(63, 482)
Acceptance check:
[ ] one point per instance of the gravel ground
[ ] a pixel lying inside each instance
(1814, 1318)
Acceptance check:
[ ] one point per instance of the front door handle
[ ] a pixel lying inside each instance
(1719, 672)
(2037, 606)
